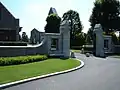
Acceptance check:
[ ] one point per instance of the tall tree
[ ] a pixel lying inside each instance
(53, 23)
(89, 36)
(76, 26)
(106, 12)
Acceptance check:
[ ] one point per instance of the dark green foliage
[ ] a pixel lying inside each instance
(53, 24)
(89, 36)
(24, 37)
(73, 16)
(119, 37)
(79, 39)
(76, 27)
(106, 12)
(21, 59)
(76, 47)
(88, 40)
(2, 43)
(114, 38)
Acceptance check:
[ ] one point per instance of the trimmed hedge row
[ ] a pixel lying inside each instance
(5, 43)
(21, 59)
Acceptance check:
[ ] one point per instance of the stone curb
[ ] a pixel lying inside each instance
(3, 86)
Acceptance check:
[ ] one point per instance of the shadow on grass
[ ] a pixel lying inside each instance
(60, 57)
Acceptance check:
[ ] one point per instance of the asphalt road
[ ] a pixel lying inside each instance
(97, 74)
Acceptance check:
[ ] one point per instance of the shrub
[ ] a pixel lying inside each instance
(21, 59)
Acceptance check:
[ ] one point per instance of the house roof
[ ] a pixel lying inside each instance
(34, 30)
(1, 5)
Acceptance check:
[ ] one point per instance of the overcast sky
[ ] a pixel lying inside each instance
(33, 13)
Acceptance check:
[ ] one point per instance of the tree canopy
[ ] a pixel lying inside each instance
(106, 12)
(73, 16)
(53, 23)
(76, 26)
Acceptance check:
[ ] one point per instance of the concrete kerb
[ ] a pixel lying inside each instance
(3, 86)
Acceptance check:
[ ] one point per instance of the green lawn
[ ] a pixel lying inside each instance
(76, 51)
(23, 71)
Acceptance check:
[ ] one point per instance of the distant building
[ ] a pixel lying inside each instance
(9, 25)
(52, 11)
(36, 36)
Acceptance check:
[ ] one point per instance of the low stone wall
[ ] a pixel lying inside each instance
(7, 51)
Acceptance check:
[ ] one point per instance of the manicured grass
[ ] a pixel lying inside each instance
(23, 71)
(76, 51)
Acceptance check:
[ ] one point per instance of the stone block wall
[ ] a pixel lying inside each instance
(8, 51)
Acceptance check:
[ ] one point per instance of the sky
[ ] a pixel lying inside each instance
(33, 13)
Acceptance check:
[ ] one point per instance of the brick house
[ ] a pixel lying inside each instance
(9, 25)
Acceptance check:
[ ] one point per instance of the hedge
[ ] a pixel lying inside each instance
(5, 43)
(21, 59)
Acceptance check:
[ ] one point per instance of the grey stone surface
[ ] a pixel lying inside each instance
(72, 55)
(99, 40)
(97, 74)
(87, 54)
(65, 32)
(109, 44)
(23, 50)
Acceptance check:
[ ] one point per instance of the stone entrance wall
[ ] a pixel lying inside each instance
(45, 46)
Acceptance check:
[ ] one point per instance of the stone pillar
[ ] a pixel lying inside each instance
(99, 40)
(65, 32)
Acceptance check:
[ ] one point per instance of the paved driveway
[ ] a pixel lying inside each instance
(97, 74)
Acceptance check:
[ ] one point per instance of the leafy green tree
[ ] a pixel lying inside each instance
(76, 26)
(90, 33)
(53, 23)
(106, 12)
